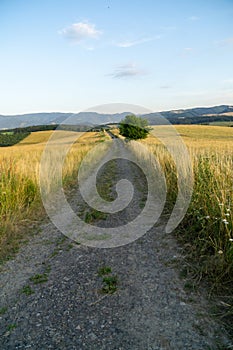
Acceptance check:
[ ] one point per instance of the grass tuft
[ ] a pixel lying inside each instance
(3, 310)
(110, 284)
(27, 290)
(104, 270)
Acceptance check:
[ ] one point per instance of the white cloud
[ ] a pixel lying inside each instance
(165, 87)
(129, 70)
(78, 32)
(228, 41)
(228, 81)
(188, 50)
(168, 28)
(193, 18)
(130, 43)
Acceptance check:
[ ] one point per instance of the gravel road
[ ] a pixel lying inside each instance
(150, 309)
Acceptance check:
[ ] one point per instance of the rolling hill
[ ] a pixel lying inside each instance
(181, 116)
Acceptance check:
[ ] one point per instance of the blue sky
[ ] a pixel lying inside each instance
(70, 55)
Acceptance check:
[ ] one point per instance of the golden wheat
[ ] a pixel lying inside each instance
(208, 225)
(19, 179)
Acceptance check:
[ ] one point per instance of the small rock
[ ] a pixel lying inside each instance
(92, 336)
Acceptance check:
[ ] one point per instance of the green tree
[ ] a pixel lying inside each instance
(134, 128)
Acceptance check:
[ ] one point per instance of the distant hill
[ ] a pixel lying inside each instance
(181, 116)
(200, 115)
(200, 111)
(19, 121)
(83, 118)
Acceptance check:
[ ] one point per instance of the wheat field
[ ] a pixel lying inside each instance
(20, 202)
(207, 227)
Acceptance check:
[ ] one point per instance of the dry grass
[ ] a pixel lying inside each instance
(20, 202)
(207, 229)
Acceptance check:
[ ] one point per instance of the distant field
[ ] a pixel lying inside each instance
(230, 114)
(201, 136)
(221, 124)
(38, 137)
(7, 133)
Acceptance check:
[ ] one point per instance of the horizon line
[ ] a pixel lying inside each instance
(92, 111)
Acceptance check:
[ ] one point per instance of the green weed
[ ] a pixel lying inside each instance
(3, 310)
(104, 270)
(27, 290)
(41, 278)
(110, 284)
(11, 327)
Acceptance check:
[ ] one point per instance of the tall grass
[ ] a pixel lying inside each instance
(20, 201)
(208, 225)
(207, 229)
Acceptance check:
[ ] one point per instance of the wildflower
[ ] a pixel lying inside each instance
(225, 221)
(227, 214)
(228, 209)
(220, 252)
(207, 217)
(231, 239)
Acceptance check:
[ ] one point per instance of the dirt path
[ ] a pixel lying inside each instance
(150, 309)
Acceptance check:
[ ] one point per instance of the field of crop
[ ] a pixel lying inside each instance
(207, 229)
(221, 124)
(20, 202)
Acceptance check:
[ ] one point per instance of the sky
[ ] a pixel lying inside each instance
(70, 55)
